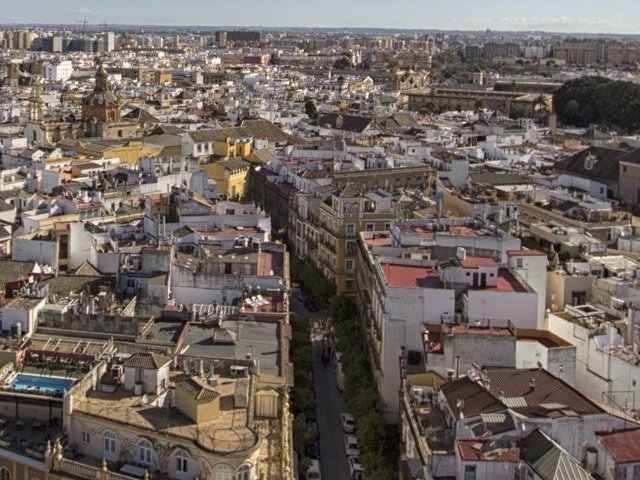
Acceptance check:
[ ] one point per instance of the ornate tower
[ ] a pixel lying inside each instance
(101, 105)
(35, 101)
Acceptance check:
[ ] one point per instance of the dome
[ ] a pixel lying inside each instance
(101, 98)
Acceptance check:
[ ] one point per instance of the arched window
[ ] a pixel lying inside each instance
(243, 472)
(224, 472)
(182, 461)
(109, 444)
(5, 474)
(144, 452)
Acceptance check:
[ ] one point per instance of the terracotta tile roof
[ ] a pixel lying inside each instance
(148, 361)
(624, 445)
(470, 397)
(475, 449)
(475, 262)
(196, 389)
(544, 394)
(526, 253)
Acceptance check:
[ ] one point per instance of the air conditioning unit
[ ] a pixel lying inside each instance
(239, 370)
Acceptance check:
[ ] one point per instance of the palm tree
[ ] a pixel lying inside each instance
(540, 106)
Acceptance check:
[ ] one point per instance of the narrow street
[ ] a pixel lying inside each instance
(329, 406)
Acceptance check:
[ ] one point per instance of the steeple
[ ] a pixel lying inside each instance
(35, 101)
(102, 78)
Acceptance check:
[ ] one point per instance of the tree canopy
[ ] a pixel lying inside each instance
(343, 63)
(599, 100)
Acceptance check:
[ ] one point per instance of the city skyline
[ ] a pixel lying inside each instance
(571, 16)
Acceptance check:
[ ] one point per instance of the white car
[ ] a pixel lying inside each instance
(348, 422)
(314, 470)
(356, 470)
(351, 446)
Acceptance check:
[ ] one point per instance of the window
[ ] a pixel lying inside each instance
(519, 263)
(348, 265)
(182, 461)
(144, 452)
(351, 229)
(624, 169)
(109, 443)
(5, 474)
(223, 472)
(369, 227)
(243, 472)
(470, 472)
(86, 437)
(387, 226)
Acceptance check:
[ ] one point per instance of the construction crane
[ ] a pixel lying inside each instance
(84, 24)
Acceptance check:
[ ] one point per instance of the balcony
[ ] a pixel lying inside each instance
(328, 244)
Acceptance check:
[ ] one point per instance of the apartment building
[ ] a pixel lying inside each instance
(341, 217)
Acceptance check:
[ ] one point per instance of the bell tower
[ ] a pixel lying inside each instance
(35, 101)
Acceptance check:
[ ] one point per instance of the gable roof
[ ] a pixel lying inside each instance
(196, 389)
(537, 393)
(218, 134)
(140, 115)
(147, 361)
(348, 123)
(605, 166)
(87, 269)
(264, 129)
(14, 270)
(549, 460)
(476, 398)
(624, 445)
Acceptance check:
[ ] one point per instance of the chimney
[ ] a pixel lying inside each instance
(461, 253)
(532, 384)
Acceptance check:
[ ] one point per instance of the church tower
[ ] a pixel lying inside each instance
(101, 105)
(35, 101)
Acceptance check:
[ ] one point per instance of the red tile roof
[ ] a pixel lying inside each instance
(470, 397)
(550, 397)
(475, 262)
(526, 253)
(417, 276)
(624, 445)
(474, 449)
(506, 282)
(270, 263)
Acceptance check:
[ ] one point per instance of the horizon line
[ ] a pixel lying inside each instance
(78, 26)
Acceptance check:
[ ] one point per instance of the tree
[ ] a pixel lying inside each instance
(311, 110)
(343, 63)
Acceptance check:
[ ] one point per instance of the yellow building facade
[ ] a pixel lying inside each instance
(230, 175)
(341, 217)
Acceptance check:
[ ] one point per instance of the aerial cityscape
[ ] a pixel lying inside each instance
(319, 240)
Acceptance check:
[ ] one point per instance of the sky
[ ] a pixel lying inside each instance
(613, 16)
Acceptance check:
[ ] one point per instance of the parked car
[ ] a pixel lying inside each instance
(314, 470)
(348, 422)
(314, 428)
(310, 305)
(351, 446)
(356, 470)
(313, 451)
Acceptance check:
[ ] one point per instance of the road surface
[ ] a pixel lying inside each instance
(329, 406)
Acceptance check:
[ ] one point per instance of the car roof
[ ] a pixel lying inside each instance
(351, 437)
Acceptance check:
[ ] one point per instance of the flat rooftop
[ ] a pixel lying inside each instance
(505, 282)
(261, 339)
(411, 276)
(227, 433)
